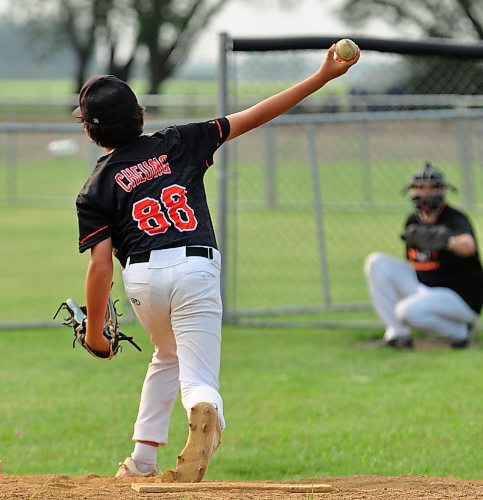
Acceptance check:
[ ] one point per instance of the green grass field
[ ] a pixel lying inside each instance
(60, 87)
(273, 258)
(298, 403)
(179, 87)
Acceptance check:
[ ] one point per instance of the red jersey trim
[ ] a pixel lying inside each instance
(219, 129)
(425, 266)
(83, 240)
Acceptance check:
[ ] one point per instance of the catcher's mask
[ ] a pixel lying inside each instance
(427, 189)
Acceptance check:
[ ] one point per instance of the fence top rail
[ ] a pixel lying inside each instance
(371, 116)
(69, 127)
(359, 101)
(73, 100)
(300, 118)
(429, 47)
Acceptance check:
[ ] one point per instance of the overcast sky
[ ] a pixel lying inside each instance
(310, 17)
(259, 18)
(266, 17)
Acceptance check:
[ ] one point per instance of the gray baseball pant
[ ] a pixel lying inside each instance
(403, 303)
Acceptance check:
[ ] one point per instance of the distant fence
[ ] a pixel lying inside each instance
(58, 108)
(42, 168)
(306, 198)
(297, 204)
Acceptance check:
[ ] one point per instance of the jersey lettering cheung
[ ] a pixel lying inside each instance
(443, 268)
(150, 194)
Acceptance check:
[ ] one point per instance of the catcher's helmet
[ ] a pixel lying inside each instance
(428, 176)
(428, 188)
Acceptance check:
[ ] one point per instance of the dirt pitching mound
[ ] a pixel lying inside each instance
(91, 486)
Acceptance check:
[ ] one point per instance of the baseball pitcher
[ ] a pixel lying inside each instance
(145, 203)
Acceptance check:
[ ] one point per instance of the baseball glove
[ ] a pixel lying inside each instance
(77, 319)
(427, 236)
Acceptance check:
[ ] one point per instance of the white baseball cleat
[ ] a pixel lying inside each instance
(203, 439)
(129, 468)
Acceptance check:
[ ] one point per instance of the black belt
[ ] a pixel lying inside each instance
(190, 252)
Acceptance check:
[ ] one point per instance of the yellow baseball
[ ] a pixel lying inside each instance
(346, 49)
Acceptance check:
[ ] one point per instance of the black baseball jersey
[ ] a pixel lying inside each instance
(150, 194)
(443, 268)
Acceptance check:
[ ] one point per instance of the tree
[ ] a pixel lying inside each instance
(167, 29)
(461, 19)
(52, 23)
(433, 18)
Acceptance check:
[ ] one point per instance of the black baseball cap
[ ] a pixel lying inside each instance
(105, 99)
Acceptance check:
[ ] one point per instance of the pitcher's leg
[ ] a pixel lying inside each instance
(151, 303)
(196, 314)
(158, 396)
(389, 280)
(196, 321)
(199, 345)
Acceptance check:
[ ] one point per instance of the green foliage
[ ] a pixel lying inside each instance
(59, 87)
(43, 266)
(298, 403)
(454, 19)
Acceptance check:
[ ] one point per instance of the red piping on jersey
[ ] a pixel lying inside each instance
(221, 137)
(219, 128)
(92, 234)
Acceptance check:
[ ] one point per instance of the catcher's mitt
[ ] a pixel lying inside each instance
(427, 236)
(77, 320)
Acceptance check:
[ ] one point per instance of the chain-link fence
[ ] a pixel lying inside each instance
(298, 203)
(306, 198)
(42, 168)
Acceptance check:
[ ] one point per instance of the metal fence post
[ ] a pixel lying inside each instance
(465, 154)
(319, 214)
(222, 163)
(270, 160)
(11, 159)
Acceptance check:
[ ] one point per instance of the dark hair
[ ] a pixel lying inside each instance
(120, 133)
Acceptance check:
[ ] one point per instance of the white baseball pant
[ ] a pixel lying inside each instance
(177, 300)
(402, 302)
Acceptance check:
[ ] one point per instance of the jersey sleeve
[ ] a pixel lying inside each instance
(204, 138)
(93, 225)
(461, 225)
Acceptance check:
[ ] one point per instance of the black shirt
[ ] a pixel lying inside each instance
(150, 194)
(443, 268)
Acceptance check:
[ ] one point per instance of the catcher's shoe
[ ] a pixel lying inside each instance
(395, 343)
(129, 468)
(400, 343)
(466, 341)
(203, 439)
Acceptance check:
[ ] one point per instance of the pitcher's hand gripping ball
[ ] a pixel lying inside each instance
(346, 49)
(77, 319)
